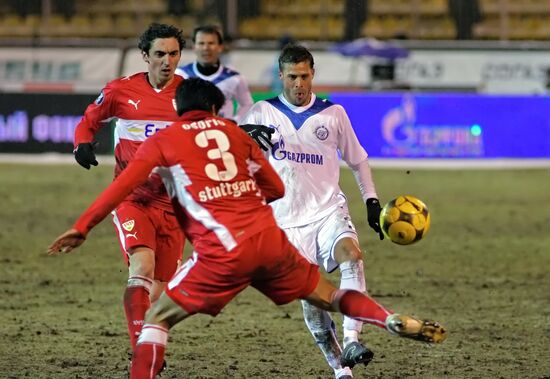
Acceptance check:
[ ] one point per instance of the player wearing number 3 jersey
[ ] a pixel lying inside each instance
(235, 237)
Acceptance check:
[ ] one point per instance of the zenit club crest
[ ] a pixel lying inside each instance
(321, 132)
(128, 225)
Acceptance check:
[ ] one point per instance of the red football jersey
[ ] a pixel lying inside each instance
(140, 111)
(215, 173)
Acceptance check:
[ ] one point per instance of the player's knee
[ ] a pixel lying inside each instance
(142, 262)
(347, 250)
(349, 256)
(354, 256)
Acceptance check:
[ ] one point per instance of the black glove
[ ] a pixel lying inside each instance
(84, 154)
(261, 134)
(373, 216)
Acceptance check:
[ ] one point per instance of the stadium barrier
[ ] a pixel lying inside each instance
(390, 125)
(485, 67)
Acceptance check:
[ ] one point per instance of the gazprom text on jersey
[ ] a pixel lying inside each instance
(316, 159)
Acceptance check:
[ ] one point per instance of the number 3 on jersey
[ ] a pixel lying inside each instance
(219, 152)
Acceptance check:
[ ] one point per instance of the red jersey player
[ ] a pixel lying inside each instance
(220, 184)
(143, 103)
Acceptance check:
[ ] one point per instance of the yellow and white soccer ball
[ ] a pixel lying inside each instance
(405, 220)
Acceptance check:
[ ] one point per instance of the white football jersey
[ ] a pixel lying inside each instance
(230, 82)
(308, 143)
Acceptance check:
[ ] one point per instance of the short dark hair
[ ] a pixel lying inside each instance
(156, 30)
(293, 53)
(208, 29)
(196, 94)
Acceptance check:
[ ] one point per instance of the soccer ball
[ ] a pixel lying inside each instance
(405, 220)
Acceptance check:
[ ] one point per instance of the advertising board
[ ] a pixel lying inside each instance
(409, 125)
(38, 123)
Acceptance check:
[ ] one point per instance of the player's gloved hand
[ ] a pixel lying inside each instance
(84, 154)
(373, 215)
(261, 134)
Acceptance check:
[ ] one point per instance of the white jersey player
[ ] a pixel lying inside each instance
(307, 143)
(208, 46)
(310, 136)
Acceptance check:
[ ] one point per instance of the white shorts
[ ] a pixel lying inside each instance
(316, 241)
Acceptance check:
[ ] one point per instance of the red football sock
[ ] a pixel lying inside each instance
(361, 307)
(136, 303)
(147, 361)
(148, 357)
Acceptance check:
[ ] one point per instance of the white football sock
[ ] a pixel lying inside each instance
(352, 277)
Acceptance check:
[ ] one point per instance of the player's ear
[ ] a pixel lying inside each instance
(145, 56)
(312, 72)
(280, 75)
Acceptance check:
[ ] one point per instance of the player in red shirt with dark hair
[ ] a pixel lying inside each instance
(149, 236)
(220, 184)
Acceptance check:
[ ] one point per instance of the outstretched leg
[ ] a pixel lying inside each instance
(362, 307)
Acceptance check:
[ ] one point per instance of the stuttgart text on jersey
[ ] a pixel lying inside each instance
(234, 189)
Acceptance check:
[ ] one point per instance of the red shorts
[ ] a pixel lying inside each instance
(154, 228)
(267, 261)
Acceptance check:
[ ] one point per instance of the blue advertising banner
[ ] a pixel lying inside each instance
(409, 125)
(40, 123)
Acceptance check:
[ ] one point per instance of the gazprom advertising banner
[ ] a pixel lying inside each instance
(407, 125)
